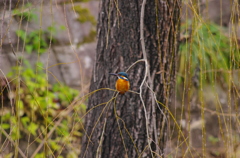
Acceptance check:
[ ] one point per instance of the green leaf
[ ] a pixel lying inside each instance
(29, 49)
(54, 145)
(15, 132)
(25, 121)
(72, 154)
(39, 155)
(32, 128)
(9, 155)
(21, 34)
(52, 29)
(5, 125)
(20, 107)
(62, 27)
(6, 117)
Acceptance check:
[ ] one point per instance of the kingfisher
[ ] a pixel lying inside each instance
(122, 84)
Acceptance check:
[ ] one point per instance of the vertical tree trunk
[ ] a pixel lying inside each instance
(108, 136)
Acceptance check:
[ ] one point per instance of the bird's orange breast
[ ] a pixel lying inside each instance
(122, 85)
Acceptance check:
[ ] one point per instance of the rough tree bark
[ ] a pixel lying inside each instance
(119, 47)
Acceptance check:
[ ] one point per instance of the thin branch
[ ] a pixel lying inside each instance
(14, 144)
(134, 64)
(146, 71)
(48, 135)
(99, 149)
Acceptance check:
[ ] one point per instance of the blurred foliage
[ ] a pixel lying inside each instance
(80, 0)
(38, 106)
(90, 37)
(38, 40)
(33, 41)
(24, 13)
(84, 15)
(205, 52)
(213, 139)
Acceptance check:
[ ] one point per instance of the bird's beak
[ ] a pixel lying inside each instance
(113, 74)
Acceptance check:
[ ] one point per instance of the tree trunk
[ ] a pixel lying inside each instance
(124, 133)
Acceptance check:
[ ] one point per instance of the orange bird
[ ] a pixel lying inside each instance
(122, 84)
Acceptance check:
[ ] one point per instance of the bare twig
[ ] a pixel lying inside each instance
(147, 73)
(95, 125)
(99, 149)
(134, 64)
(14, 144)
(73, 48)
(48, 135)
